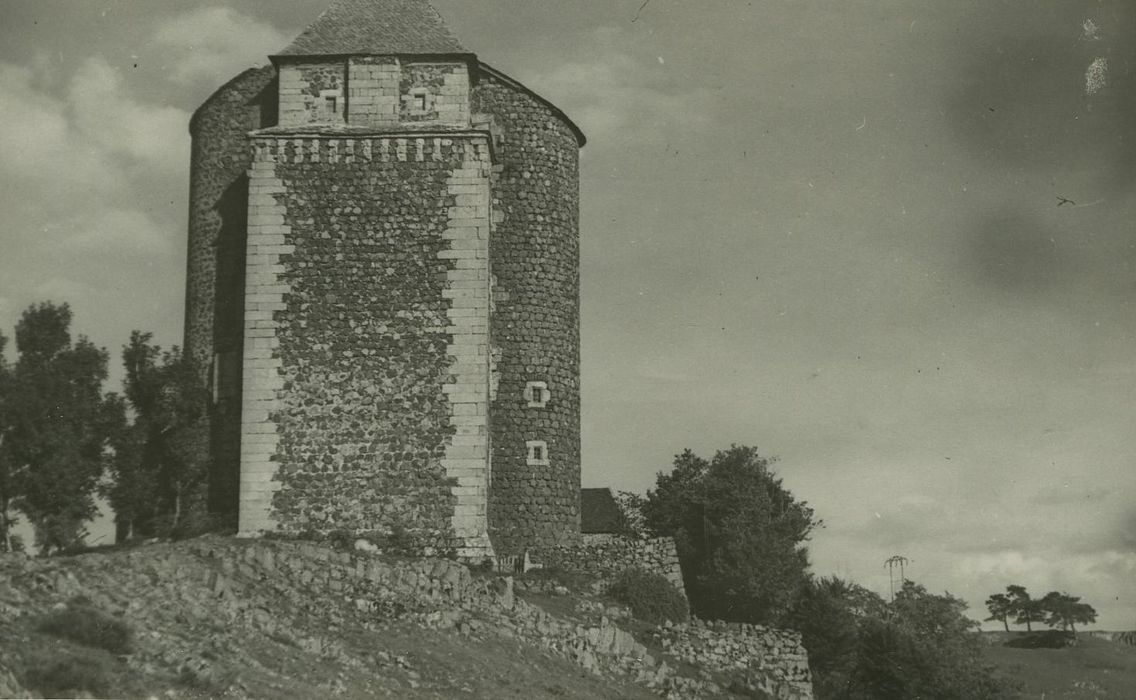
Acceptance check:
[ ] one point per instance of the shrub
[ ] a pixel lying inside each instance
(58, 674)
(651, 597)
(918, 646)
(82, 623)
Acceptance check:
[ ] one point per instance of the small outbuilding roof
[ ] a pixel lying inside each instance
(599, 513)
(376, 28)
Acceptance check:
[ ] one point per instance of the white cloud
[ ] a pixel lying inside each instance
(119, 230)
(42, 151)
(81, 159)
(72, 150)
(612, 91)
(106, 116)
(213, 44)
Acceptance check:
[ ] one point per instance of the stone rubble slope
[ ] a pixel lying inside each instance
(239, 616)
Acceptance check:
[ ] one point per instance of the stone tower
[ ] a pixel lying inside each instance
(384, 286)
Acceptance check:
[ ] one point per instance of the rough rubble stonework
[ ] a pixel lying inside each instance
(384, 255)
(606, 556)
(536, 319)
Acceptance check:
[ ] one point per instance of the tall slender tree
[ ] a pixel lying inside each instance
(1000, 607)
(7, 464)
(1025, 609)
(56, 425)
(158, 471)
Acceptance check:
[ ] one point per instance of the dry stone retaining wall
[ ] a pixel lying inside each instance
(307, 596)
(606, 556)
(769, 660)
(445, 595)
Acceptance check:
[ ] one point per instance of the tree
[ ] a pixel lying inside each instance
(925, 648)
(1067, 611)
(739, 533)
(1025, 609)
(828, 614)
(918, 646)
(1000, 607)
(56, 422)
(631, 521)
(7, 464)
(159, 474)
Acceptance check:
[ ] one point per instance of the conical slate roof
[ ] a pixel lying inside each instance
(376, 27)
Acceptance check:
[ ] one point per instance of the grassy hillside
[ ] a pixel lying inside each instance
(1091, 669)
(182, 621)
(218, 617)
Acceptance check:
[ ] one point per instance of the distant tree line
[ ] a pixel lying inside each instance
(1054, 609)
(64, 441)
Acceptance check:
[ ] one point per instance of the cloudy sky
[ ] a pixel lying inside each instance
(834, 229)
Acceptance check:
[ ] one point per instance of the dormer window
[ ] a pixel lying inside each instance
(537, 453)
(537, 394)
(419, 102)
(329, 106)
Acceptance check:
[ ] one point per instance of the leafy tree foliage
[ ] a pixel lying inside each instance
(1026, 610)
(1000, 607)
(632, 523)
(1066, 611)
(918, 646)
(1054, 609)
(7, 464)
(158, 472)
(828, 613)
(55, 426)
(738, 531)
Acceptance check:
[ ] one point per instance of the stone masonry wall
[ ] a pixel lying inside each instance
(366, 358)
(303, 87)
(605, 556)
(373, 90)
(534, 504)
(435, 92)
(214, 306)
(771, 661)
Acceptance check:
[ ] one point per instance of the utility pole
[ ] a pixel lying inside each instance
(892, 562)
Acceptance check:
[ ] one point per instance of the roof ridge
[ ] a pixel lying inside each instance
(376, 27)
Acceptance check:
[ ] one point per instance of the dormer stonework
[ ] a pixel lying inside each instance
(434, 93)
(312, 92)
(380, 92)
(379, 64)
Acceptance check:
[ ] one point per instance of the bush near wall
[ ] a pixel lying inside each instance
(651, 597)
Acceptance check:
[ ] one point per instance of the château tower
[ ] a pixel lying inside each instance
(383, 284)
